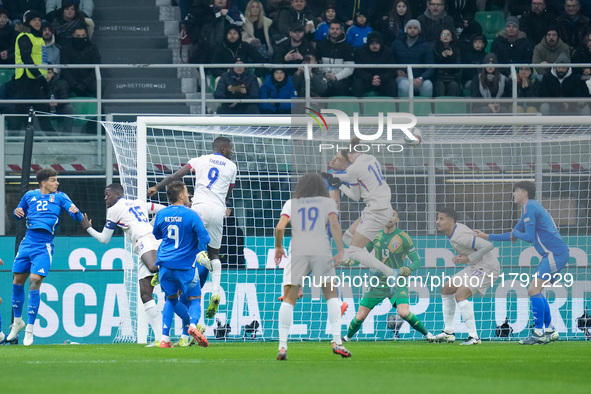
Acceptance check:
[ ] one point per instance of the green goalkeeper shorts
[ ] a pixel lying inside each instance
(375, 295)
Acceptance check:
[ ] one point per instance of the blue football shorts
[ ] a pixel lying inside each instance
(550, 265)
(34, 254)
(174, 281)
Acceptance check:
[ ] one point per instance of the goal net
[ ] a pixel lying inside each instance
(467, 163)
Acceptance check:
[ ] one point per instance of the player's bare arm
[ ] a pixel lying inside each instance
(19, 213)
(86, 223)
(279, 232)
(184, 170)
(481, 234)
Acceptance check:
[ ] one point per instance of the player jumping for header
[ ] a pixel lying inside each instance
(132, 217)
(215, 176)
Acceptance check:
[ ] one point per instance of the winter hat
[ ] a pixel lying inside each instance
(479, 36)
(490, 58)
(29, 15)
(412, 22)
(297, 27)
(47, 25)
(375, 36)
(512, 20)
(361, 11)
(562, 59)
(552, 27)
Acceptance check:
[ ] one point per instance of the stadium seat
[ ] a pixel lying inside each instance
(86, 108)
(6, 75)
(345, 104)
(492, 22)
(443, 107)
(374, 108)
(420, 108)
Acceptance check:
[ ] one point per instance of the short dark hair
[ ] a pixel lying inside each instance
(173, 190)
(450, 213)
(335, 23)
(311, 185)
(44, 174)
(219, 143)
(116, 187)
(528, 186)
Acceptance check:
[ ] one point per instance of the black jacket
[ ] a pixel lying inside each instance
(570, 86)
(80, 79)
(230, 52)
(230, 78)
(363, 55)
(535, 25)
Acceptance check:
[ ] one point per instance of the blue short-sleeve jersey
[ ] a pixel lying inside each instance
(180, 230)
(43, 210)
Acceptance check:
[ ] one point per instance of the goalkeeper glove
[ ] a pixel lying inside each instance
(404, 271)
(349, 262)
(332, 181)
(203, 259)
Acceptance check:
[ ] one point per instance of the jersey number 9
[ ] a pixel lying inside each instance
(173, 233)
(212, 175)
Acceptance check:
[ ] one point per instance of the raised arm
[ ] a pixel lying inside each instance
(103, 237)
(184, 170)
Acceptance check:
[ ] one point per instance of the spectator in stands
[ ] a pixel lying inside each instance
(347, 9)
(53, 52)
(273, 9)
(297, 13)
(232, 249)
(583, 55)
(226, 15)
(460, 11)
(329, 15)
(255, 30)
(562, 82)
(573, 26)
(318, 82)
(391, 25)
(547, 51)
(68, 20)
(527, 86)
(17, 8)
(473, 55)
(80, 50)
(200, 26)
(445, 51)
(465, 29)
(412, 48)
(536, 20)
(277, 85)
(434, 20)
(237, 83)
(490, 85)
(556, 7)
(58, 88)
(293, 50)
(7, 38)
(84, 6)
(31, 82)
(357, 34)
(335, 50)
(380, 80)
(512, 46)
(233, 48)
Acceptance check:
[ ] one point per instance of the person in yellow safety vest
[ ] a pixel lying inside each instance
(31, 83)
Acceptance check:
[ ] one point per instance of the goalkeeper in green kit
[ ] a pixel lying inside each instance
(391, 246)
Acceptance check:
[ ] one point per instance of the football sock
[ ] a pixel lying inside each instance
(18, 299)
(167, 315)
(285, 320)
(448, 306)
(195, 310)
(415, 323)
(365, 258)
(34, 300)
(347, 238)
(216, 276)
(334, 319)
(154, 318)
(467, 310)
(547, 315)
(185, 300)
(354, 326)
(538, 307)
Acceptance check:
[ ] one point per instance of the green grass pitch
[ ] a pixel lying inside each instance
(381, 367)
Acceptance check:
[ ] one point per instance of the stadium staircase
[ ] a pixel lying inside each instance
(141, 32)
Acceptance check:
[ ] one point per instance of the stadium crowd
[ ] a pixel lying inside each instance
(397, 32)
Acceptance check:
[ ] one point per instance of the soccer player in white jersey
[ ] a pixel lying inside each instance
(132, 217)
(366, 181)
(215, 176)
(482, 269)
(309, 211)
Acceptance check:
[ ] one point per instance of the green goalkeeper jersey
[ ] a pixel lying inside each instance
(392, 249)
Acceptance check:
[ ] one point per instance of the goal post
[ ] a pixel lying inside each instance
(469, 163)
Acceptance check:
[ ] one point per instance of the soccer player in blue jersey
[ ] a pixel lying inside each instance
(42, 208)
(180, 230)
(537, 227)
